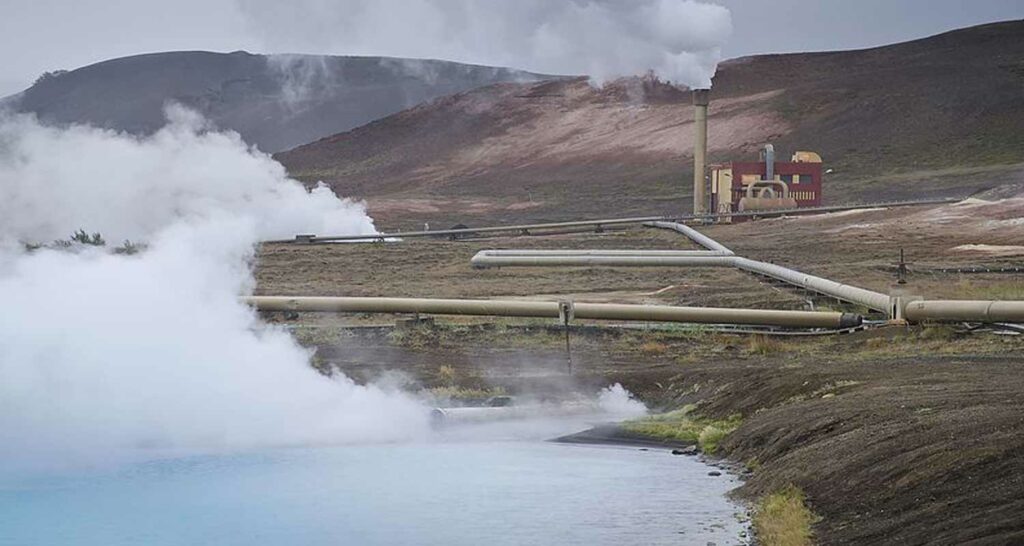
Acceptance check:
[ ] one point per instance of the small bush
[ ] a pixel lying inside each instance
(84, 238)
(127, 247)
(782, 519)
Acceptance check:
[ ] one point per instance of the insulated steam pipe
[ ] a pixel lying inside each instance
(872, 300)
(552, 309)
(845, 292)
(675, 253)
(860, 296)
(311, 239)
(482, 261)
(964, 311)
(693, 235)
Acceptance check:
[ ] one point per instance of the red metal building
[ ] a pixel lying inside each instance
(741, 186)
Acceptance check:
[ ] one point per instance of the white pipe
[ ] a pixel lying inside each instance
(675, 253)
(845, 292)
(693, 235)
(481, 261)
(964, 311)
(867, 298)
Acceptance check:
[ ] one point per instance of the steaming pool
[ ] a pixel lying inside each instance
(470, 487)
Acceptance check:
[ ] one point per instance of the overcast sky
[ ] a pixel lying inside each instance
(43, 35)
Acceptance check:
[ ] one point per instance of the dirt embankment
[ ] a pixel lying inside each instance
(923, 448)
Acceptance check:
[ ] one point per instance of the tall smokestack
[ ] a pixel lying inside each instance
(701, 98)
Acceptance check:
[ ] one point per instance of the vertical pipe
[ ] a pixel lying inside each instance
(701, 99)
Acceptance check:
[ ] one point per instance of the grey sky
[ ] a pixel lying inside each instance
(42, 35)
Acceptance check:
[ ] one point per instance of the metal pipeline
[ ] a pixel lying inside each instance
(468, 415)
(676, 253)
(693, 235)
(553, 309)
(872, 300)
(525, 228)
(860, 296)
(483, 261)
(964, 311)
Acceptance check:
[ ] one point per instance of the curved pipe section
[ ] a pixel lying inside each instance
(872, 300)
(692, 234)
(553, 309)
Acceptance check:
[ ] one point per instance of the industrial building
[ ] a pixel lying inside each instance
(743, 186)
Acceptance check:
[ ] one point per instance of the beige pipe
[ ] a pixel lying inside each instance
(552, 309)
(673, 253)
(481, 261)
(867, 298)
(692, 234)
(964, 311)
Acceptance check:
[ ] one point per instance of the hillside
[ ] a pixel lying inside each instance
(276, 102)
(937, 116)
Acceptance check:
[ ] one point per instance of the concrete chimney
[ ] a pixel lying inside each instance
(701, 99)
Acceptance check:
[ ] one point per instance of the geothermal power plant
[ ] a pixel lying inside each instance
(739, 191)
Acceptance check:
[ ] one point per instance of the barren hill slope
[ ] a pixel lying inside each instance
(937, 116)
(274, 101)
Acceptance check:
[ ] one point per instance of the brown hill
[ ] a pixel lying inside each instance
(275, 102)
(937, 116)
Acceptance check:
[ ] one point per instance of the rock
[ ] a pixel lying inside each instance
(714, 473)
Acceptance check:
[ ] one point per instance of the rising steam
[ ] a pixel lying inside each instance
(680, 40)
(55, 181)
(102, 354)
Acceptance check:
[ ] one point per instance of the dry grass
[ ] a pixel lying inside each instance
(783, 519)
(765, 345)
(653, 348)
(975, 290)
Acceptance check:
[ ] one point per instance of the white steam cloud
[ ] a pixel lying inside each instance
(55, 181)
(616, 400)
(102, 354)
(680, 40)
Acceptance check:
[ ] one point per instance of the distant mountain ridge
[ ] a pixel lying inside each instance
(925, 118)
(274, 101)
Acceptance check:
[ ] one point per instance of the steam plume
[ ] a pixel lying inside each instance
(103, 354)
(680, 40)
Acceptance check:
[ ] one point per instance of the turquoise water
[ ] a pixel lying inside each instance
(449, 492)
